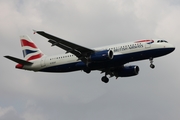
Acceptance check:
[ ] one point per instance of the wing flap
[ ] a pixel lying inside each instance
(66, 48)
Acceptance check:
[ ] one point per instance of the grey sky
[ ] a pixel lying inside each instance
(153, 94)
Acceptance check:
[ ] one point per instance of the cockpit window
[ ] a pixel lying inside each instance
(162, 41)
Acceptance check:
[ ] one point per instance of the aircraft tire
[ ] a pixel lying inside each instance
(87, 71)
(105, 79)
(152, 66)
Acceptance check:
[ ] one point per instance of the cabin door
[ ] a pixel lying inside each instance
(148, 45)
(43, 62)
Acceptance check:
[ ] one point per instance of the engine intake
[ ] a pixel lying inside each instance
(101, 56)
(127, 71)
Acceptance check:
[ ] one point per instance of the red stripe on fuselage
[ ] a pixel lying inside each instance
(27, 43)
(35, 57)
(143, 41)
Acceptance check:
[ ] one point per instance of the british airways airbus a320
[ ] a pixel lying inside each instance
(110, 60)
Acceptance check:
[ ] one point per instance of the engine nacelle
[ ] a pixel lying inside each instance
(101, 56)
(127, 71)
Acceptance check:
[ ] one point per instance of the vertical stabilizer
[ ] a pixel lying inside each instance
(29, 49)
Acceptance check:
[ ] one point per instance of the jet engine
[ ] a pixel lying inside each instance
(101, 56)
(127, 71)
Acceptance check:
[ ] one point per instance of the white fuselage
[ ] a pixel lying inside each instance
(132, 49)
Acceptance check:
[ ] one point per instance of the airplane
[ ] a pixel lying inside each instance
(109, 60)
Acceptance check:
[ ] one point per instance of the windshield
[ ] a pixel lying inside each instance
(162, 41)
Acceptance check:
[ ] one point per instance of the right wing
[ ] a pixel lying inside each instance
(79, 51)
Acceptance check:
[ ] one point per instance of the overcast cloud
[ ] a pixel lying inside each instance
(152, 95)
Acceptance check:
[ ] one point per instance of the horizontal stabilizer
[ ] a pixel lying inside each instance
(17, 60)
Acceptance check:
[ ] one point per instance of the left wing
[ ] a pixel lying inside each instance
(79, 51)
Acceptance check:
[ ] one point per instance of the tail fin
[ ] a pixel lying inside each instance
(30, 50)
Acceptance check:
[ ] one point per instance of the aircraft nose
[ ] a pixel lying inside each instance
(171, 48)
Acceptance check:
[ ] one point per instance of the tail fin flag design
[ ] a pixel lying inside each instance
(30, 50)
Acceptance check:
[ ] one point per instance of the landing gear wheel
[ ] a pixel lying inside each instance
(105, 79)
(152, 66)
(87, 70)
(151, 63)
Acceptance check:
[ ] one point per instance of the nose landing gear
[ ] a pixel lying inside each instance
(152, 66)
(151, 63)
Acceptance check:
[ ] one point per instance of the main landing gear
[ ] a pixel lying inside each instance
(87, 70)
(105, 79)
(151, 63)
